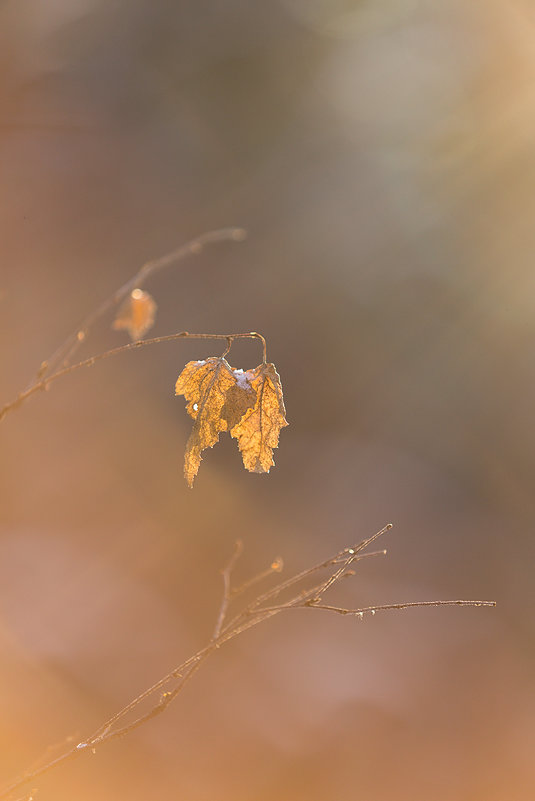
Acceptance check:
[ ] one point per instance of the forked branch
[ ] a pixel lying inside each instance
(66, 350)
(44, 383)
(156, 699)
(58, 365)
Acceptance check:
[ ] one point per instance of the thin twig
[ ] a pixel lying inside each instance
(55, 366)
(349, 556)
(166, 699)
(275, 567)
(44, 383)
(313, 604)
(80, 334)
(226, 573)
(177, 673)
(310, 597)
(284, 585)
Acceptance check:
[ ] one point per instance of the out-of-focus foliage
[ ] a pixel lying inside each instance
(136, 314)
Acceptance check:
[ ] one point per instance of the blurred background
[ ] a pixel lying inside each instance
(380, 155)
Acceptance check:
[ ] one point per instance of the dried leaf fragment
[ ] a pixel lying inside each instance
(215, 402)
(240, 398)
(258, 430)
(136, 314)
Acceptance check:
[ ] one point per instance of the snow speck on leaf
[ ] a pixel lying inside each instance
(247, 404)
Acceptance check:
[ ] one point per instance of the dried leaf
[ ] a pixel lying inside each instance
(240, 398)
(258, 430)
(215, 402)
(136, 314)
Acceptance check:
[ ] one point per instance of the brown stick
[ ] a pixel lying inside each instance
(255, 612)
(44, 383)
(50, 368)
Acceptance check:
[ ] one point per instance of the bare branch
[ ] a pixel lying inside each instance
(226, 573)
(44, 383)
(275, 567)
(80, 334)
(314, 603)
(56, 365)
(169, 687)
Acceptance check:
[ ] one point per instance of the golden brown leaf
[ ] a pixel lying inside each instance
(136, 314)
(240, 398)
(215, 401)
(258, 430)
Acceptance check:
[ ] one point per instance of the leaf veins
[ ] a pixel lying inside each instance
(215, 402)
(258, 430)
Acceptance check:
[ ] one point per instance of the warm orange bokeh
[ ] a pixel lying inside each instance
(380, 155)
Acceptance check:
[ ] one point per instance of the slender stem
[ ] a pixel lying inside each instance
(80, 334)
(166, 699)
(314, 603)
(264, 346)
(33, 774)
(182, 670)
(308, 598)
(44, 383)
(255, 607)
(275, 567)
(226, 572)
(352, 556)
(177, 673)
(382, 607)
